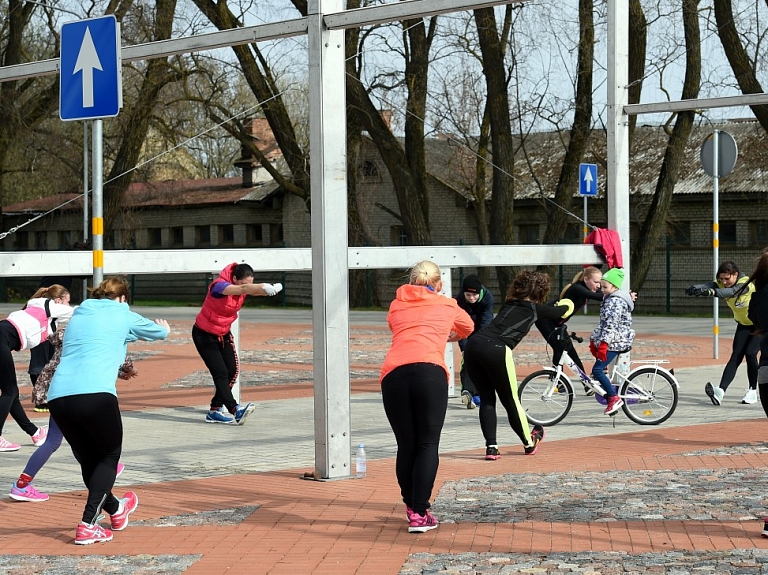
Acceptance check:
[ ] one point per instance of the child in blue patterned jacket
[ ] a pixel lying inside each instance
(614, 333)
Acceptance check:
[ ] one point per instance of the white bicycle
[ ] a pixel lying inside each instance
(650, 392)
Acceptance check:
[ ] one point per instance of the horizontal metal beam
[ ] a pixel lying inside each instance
(29, 264)
(700, 104)
(161, 48)
(397, 11)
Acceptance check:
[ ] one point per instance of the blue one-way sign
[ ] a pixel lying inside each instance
(587, 179)
(90, 82)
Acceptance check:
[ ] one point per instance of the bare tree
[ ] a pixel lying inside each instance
(655, 222)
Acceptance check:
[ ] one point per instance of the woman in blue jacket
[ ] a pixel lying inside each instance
(83, 399)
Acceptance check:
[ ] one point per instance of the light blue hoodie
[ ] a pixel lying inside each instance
(94, 347)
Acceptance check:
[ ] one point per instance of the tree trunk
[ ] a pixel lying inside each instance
(638, 36)
(503, 187)
(655, 222)
(135, 129)
(568, 183)
(741, 65)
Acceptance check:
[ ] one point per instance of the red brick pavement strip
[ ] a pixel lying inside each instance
(353, 526)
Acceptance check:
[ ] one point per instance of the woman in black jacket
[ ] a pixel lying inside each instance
(758, 315)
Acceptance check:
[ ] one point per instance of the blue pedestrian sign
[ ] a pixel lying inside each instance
(90, 81)
(587, 179)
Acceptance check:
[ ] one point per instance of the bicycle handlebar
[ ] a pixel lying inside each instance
(575, 337)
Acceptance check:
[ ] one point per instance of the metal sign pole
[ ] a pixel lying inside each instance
(715, 239)
(86, 208)
(98, 206)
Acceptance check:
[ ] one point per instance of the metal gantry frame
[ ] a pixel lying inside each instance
(330, 258)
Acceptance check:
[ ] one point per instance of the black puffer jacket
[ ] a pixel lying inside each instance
(758, 315)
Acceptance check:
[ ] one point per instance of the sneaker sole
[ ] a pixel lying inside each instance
(248, 410)
(615, 409)
(492, 457)
(126, 517)
(421, 529)
(9, 449)
(465, 399)
(28, 499)
(221, 422)
(89, 541)
(710, 391)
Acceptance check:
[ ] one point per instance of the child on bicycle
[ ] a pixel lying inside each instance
(614, 333)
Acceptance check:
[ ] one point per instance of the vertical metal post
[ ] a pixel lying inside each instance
(716, 238)
(445, 273)
(97, 220)
(617, 184)
(330, 273)
(86, 191)
(585, 232)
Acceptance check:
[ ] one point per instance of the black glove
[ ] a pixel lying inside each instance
(692, 290)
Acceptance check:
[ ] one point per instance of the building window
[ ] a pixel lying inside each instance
(21, 241)
(528, 234)
(728, 233)
(574, 234)
(254, 234)
(397, 236)
(226, 234)
(758, 233)
(155, 237)
(369, 169)
(41, 240)
(276, 235)
(65, 240)
(679, 233)
(177, 236)
(203, 235)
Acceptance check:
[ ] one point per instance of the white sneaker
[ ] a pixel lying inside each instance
(750, 397)
(715, 393)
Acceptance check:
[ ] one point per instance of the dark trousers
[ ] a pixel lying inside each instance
(415, 399)
(547, 327)
(492, 368)
(92, 425)
(745, 345)
(9, 388)
(220, 357)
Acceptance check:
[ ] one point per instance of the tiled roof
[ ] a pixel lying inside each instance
(170, 193)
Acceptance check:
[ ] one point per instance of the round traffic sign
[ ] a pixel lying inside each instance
(727, 152)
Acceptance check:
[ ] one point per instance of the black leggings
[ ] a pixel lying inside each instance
(492, 368)
(415, 398)
(9, 388)
(547, 328)
(744, 345)
(92, 425)
(219, 355)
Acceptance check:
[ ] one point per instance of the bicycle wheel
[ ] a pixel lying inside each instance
(650, 396)
(543, 401)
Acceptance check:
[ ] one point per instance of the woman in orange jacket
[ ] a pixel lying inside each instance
(414, 383)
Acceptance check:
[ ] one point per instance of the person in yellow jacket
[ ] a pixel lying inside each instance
(730, 287)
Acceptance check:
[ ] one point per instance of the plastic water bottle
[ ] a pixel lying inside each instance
(361, 464)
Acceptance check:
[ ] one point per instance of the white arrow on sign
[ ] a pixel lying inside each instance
(588, 180)
(87, 61)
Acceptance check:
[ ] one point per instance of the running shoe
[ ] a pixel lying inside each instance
(40, 436)
(29, 493)
(613, 405)
(750, 397)
(128, 505)
(537, 436)
(87, 534)
(218, 417)
(6, 445)
(466, 398)
(422, 523)
(765, 527)
(492, 453)
(242, 412)
(715, 393)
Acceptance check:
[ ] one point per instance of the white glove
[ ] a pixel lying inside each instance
(272, 289)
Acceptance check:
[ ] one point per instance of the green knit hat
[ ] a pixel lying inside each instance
(614, 276)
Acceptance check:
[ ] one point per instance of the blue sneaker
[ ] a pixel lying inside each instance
(218, 417)
(476, 400)
(242, 412)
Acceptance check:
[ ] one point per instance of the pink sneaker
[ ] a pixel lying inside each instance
(87, 534)
(6, 445)
(128, 505)
(40, 436)
(120, 468)
(29, 493)
(422, 524)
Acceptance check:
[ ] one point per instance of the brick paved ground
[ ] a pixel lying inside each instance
(649, 500)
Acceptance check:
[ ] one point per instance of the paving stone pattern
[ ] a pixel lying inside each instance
(737, 561)
(233, 516)
(109, 564)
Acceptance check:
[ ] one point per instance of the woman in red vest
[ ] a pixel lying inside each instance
(213, 338)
